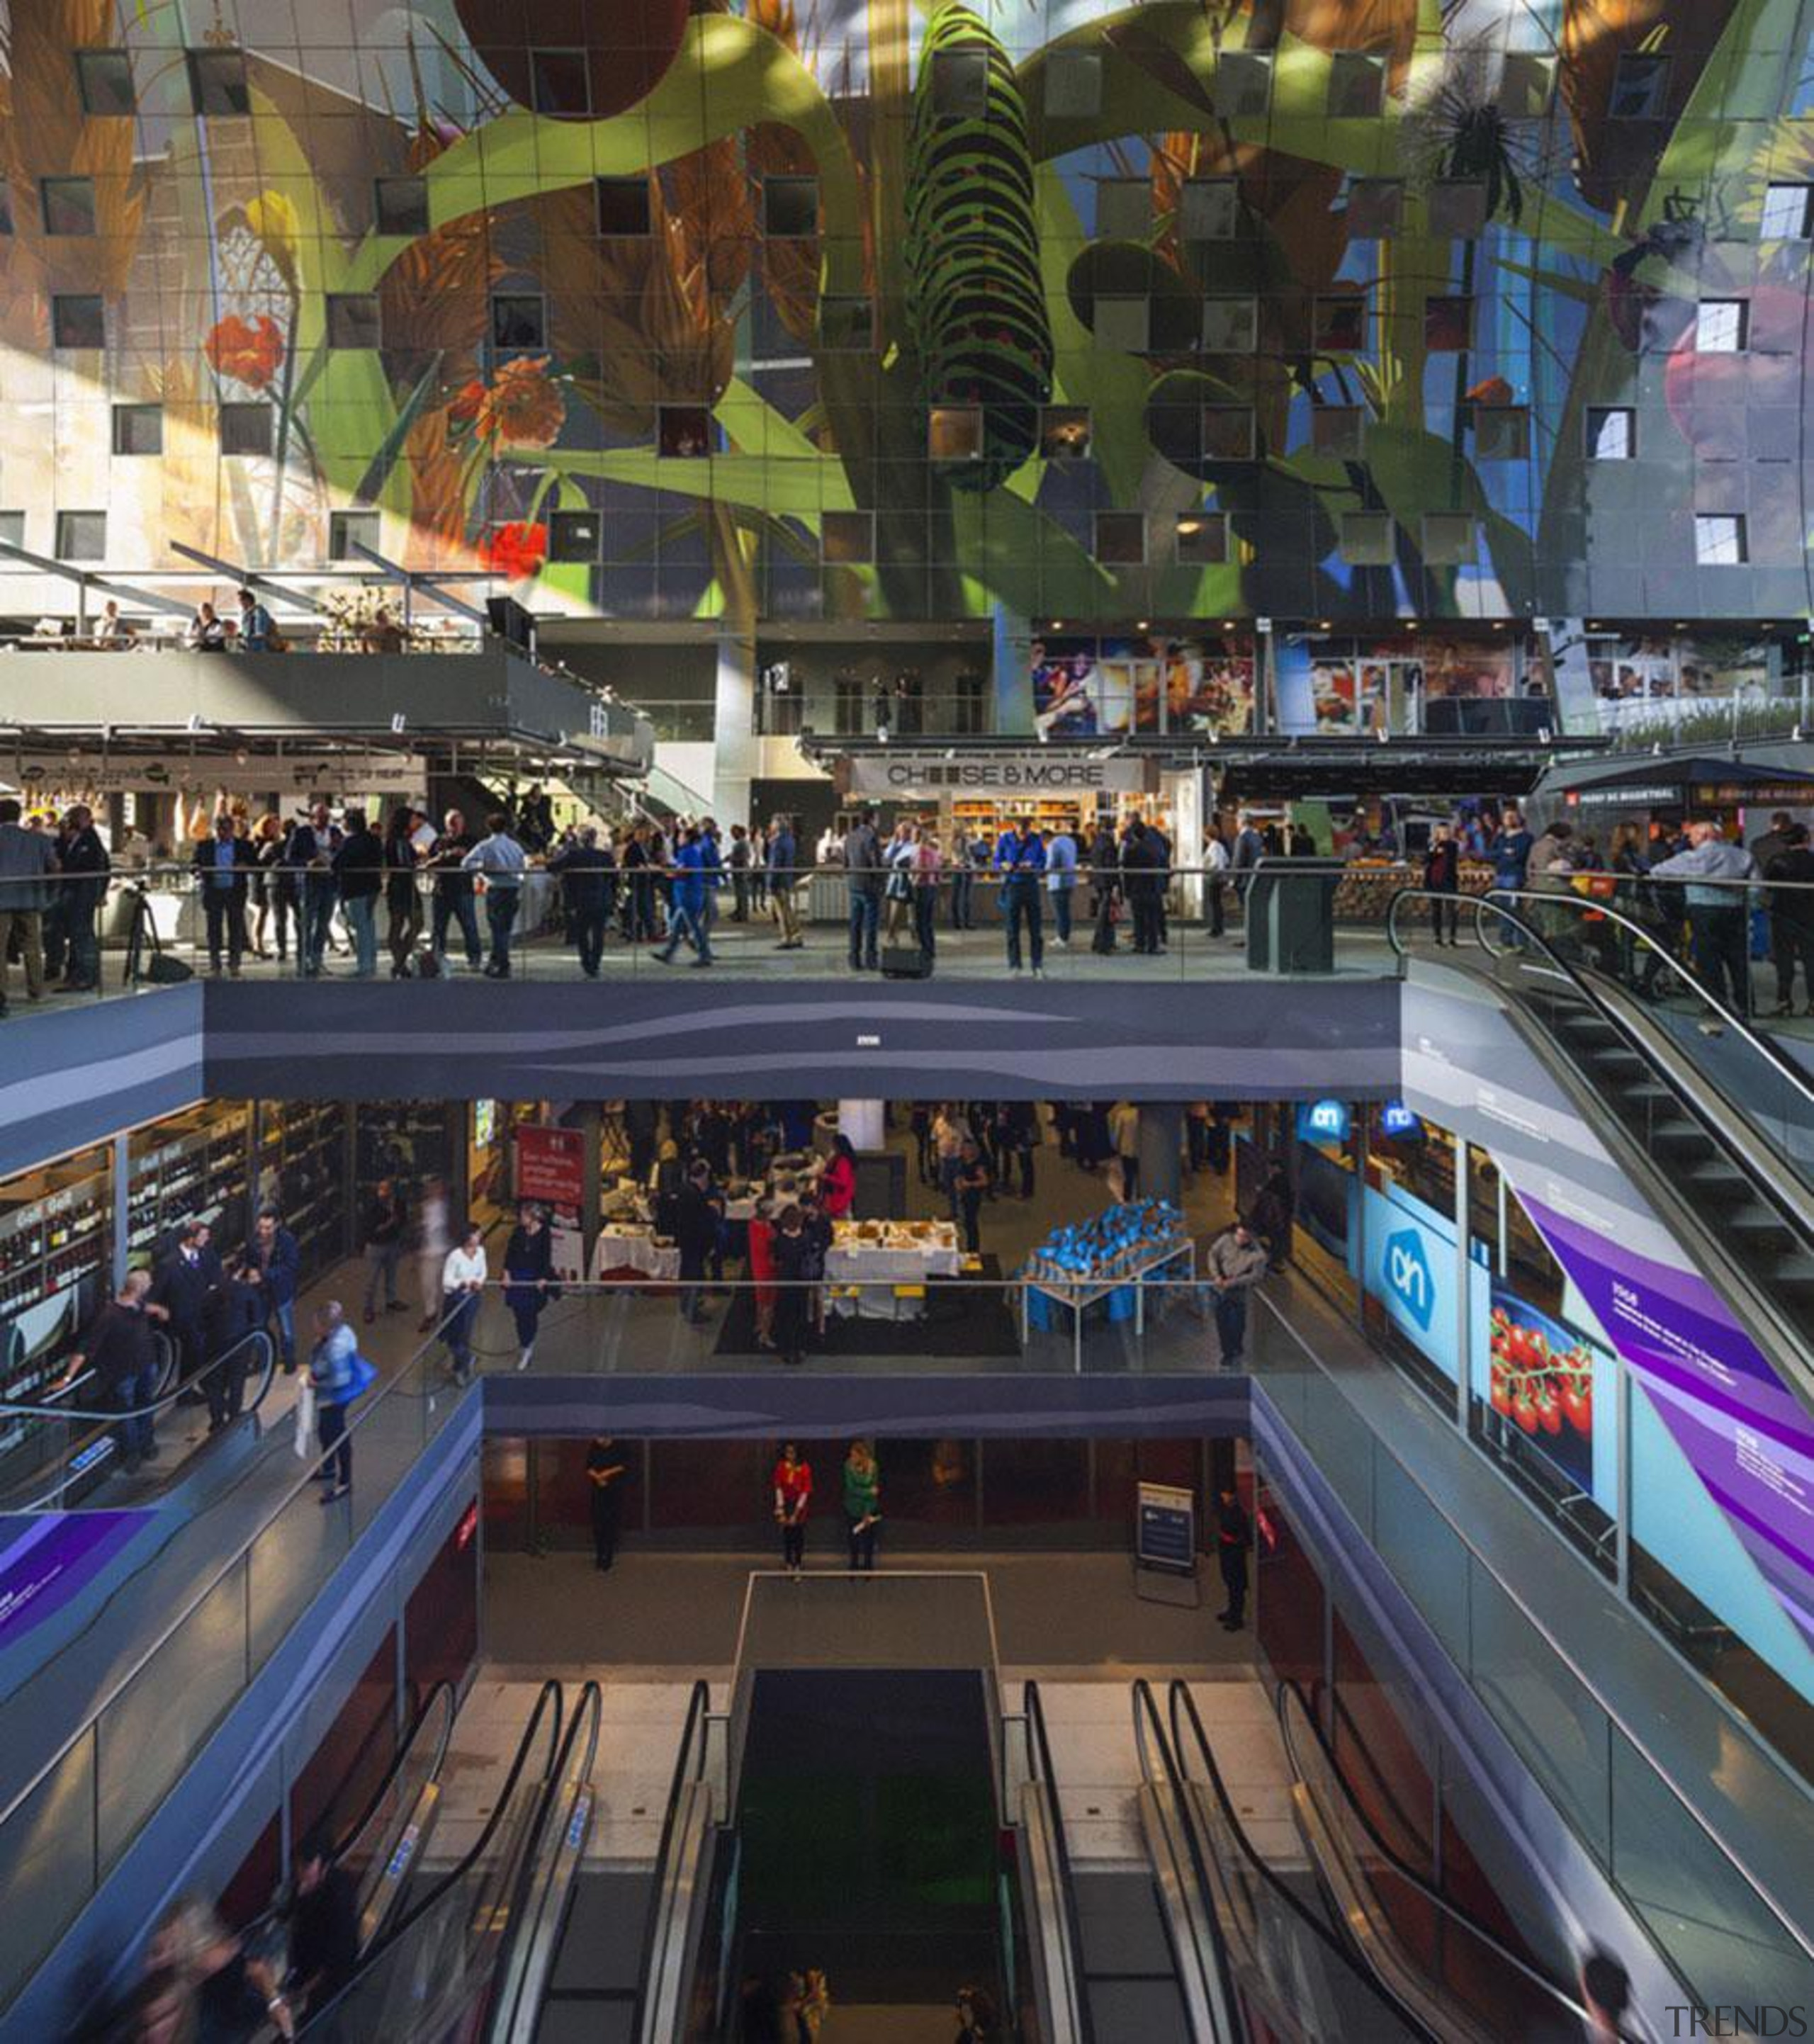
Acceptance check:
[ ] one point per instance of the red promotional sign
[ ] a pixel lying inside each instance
(551, 1165)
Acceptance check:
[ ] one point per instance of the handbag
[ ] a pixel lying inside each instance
(304, 1419)
(364, 1376)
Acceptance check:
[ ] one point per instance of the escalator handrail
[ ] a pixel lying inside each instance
(689, 1769)
(1183, 1714)
(549, 1694)
(101, 1424)
(1150, 1735)
(1040, 1764)
(530, 1888)
(1290, 1698)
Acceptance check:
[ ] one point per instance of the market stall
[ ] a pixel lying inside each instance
(880, 1270)
(1108, 1261)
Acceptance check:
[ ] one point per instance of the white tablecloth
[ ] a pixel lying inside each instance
(612, 1251)
(890, 1266)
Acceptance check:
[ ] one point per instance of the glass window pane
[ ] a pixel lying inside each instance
(347, 530)
(1231, 326)
(81, 536)
(1366, 539)
(1640, 87)
(790, 207)
(353, 320)
(104, 78)
(217, 82)
(1124, 208)
(1610, 433)
(68, 204)
(1209, 210)
(78, 320)
(623, 205)
(1338, 430)
(138, 429)
(1375, 206)
(1719, 540)
(400, 205)
(1720, 326)
(575, 535)
(1202, 539)
(1357, 85)
(248, 428)
(1785, 212)
(1073, 84)
(518, 320)
(960, 84)
(1243, 90)
(561, 81)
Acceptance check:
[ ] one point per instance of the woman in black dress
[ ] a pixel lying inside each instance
(529, 1269)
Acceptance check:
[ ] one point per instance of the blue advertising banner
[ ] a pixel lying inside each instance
(1166, 1528)
(1411, 1271)
(45, 1560)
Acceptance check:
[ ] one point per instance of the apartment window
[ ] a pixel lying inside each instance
(104, 78)
(1450, 538)
(1611, 432)
(847, 325)
(1721, 325)
(1718, 539)
(560, 81)
(400, 205)
(1209, 210)
(81, 536)
(68, 204)
(1376, 206)
(353, 319)
(349, 531)
(846, 538)
(1366, 539)
(1243, 85)
(78, 320)
(1640, 87)
(1338, 431)
(6, 207)
(1064, 433)
(790, 207)
(623, 205)
(1357, 85)
(1448, 323)
(1125, 324)
(684, 432)
(1074, 85)
(1339, 324)
(1121, 539)
(1227, 432)
(518, 319)
(1124, 208)
(1200, 539)
(138, 429)
(1501, 433)
(1786, 215)
(954, 432)
(217, 82)
(960, 84)
(1525, 84)
(13, 527)
(248, 428)
(1231, 326)
(575, 536)
(1458, 207)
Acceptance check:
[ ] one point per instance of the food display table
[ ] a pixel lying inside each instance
(879, 1270)
(630, 1246)
(1109, 1260)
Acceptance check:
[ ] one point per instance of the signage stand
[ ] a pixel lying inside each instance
(1165, 1546)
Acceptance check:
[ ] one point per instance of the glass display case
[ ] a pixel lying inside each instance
(302, 1171)
(56, 1238)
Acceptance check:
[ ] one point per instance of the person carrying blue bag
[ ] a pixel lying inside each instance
(338, 1374)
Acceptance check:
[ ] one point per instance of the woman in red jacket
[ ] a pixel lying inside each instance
(793, 1491)
(762, 1270)
(837, 1182)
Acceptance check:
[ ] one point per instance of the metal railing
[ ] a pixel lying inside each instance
(687, 1821)
(1071, 2015)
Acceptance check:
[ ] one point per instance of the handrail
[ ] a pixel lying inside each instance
(689, 1769)
(12, 1409)
(123, 1680)
(1288, 1697)
(1039, 1764)
(1182, 1713)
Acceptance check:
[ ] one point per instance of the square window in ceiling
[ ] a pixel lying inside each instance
(518, 319)
(1064, 433)
(623, 206)
(13, 527)
(1200, 539)
(1242, 89)
(1458, 207)
(575, 536)
(1640, 87)
(1339, 324)
(1125, 324)
(1719, 540)
(954, 432)
(1231, 326)
(77, 320)
(1785, 212)
(104, 78)
(353, 320)
(400, 205)
(1525, 84)
(248, 428)
(1074, 85)
(68, 204)
(1720, 326)
(684, 432)
(217, 85)
(1450, 538)
(81, 536)
(790, 207)
(1121, 539)
(1448, 323)
(349, 531)
(138, 429)
(1501, 433)
(1366, 539)
(1124, 208)
(1209, 210)
(846, 538)
(1227, 432)
(847, 325)
(560, 81)
(1611, 432)
(1376, 207)
(960, 84)
(1339, 430)
(1357, 85)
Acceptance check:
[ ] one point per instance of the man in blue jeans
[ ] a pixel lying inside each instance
(687, 907)
(1234, 1262)
(1020, 862)
(273, 1262)
(120, 1348)
(310, 849)
(501, 858)
(863, 882)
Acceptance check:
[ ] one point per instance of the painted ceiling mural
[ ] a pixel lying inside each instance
(856, 309)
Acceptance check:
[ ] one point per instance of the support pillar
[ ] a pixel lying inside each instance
(735, 753)
(1162, 1135)
(865, 1122)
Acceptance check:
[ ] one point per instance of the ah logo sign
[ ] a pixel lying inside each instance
(1407, 1273)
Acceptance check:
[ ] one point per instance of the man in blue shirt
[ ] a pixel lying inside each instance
(1061, 880)
(1020, 863)
(1718, 910)
(222, 864)
(1510, 852)
(686, 911)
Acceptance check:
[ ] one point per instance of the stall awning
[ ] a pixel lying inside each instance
(1697, 781)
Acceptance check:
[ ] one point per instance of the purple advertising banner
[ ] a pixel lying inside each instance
(1743, 1432)
(45, 1561)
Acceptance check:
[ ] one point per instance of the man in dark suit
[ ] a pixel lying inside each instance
(183, 1283)
(235, 1313)
(223, 866)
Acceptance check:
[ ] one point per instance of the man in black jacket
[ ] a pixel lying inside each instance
(119, 1348)
(1233, 1535)
(698, 1209)
(235, 1312)
(323, 1926)
(453, 899)
(223, 866)
(182, 1285)
(1792, 917)
(386, 1228)
(588, 892)
(86, 866)
(359, 879)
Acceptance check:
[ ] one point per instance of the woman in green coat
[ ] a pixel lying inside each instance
(862, 1503)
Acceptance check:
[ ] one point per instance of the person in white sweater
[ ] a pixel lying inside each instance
(463, 1285)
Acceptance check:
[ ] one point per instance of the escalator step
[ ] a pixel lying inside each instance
(1123, 1931)
(584, 2020)
(602, 1950)
(1151, 2010)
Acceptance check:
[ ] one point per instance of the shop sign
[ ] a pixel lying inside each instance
(551, 1165)
(296, 774)
(1045, 772)
(1166, 1535)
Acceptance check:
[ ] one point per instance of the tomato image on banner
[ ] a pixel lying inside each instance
(1540, 1378)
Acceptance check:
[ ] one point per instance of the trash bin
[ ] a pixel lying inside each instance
(1291, 915)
